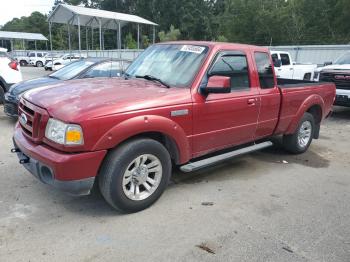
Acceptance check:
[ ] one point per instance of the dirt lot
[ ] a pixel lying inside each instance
(267, 206)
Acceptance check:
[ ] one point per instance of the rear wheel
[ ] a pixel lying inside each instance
(135, 174)
(300, 141)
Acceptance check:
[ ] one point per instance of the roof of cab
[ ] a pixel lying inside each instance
(220, 45)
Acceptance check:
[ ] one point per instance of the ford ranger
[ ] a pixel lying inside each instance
(186, 104)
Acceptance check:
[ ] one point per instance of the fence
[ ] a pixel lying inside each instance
(301, 54)
(124, 54)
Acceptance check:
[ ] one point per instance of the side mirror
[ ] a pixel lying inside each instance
(218, 85)
(277, 63)
(328, 63)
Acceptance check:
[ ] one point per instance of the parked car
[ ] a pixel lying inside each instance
(34, 58)
(286, 68)
(10, 73)
(37, 58)
(49, 58)
(61, 61)
(337, 72)
(87, 68)
(341, 63)
(341, 78)
(179, 104)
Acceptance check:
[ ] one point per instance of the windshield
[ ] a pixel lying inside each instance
(343, 60)
(175, 65)
(71, 70)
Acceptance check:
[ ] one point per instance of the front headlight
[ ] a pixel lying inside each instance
(64, 134)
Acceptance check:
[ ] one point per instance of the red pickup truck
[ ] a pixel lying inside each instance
(189, 104)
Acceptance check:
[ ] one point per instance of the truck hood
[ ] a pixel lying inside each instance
(23, 86)
(82, 99)
(334, 67)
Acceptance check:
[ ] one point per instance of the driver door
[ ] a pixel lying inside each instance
(225, 120)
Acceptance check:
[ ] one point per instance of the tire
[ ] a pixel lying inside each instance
(2, 95)
(23, 63)
(39, 64)
(121, 173)
(300, 141)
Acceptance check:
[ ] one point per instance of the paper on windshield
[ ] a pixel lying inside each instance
(192, 49)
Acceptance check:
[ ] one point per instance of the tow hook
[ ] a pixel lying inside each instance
(24, 160)
(15, 150)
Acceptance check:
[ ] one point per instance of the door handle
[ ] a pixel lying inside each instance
(251, 101)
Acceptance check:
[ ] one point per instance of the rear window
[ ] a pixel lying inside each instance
(263, 63)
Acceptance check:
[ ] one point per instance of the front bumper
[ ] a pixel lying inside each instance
(71, 173)
(342, 98)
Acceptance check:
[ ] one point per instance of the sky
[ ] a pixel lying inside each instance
(17, 8)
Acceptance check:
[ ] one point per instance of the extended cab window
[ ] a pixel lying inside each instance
(285, 59)
(263, 63)
(235, 66)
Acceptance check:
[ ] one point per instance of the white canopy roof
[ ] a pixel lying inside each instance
(20, 35)
(91, 17)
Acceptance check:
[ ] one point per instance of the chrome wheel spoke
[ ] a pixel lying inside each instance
(141, 178)
(304, 134)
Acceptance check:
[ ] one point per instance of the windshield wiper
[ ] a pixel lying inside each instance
(153, 78)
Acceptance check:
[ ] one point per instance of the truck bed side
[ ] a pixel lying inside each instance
(300, 96)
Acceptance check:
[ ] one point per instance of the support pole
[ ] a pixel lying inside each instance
(79, 38)
(92, 38)
(69, 44)
(35, 44)
(11, 42)
(120, 40)
(138, 36)
(100, 33)
(87, 39)
(50, 36)
(119, 36)
(154, 34)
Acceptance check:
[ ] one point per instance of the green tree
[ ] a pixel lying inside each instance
(172, 35)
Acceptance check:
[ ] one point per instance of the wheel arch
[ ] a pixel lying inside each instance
(159, 128)
(314, 105)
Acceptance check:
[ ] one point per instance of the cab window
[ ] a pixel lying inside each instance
(101, 70)
(234, 66)
(266, 76)
(285, 59)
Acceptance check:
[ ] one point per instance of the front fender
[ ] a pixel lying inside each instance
(305, 106)
(142, 124)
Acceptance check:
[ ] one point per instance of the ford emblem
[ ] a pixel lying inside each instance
(23, 119)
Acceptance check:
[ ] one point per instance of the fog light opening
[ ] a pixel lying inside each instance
(46, 174)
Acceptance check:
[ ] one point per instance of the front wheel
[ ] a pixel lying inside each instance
(300, 141)
(39, 64)
(135, 174)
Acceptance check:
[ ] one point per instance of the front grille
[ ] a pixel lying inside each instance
(32, 120)
(10, 109)
(331, 77)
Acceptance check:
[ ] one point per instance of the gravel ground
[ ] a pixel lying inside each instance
(267, 206)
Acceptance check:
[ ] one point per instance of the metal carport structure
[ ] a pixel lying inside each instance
(7, 35)
(94, 18)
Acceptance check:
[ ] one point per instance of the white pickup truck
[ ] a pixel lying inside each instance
(286, 68)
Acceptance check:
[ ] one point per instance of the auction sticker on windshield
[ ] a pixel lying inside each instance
(192, 49)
